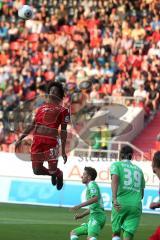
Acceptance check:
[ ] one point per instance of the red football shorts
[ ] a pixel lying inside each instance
(156, 235)
(45, 152)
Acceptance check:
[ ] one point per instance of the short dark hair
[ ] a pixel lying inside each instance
(91, 172)
(126, 152)
(58, 85)
(156, 160)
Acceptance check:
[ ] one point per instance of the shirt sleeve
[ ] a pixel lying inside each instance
(93, 190)
(114, 169)
(65, 117)
(37, 114)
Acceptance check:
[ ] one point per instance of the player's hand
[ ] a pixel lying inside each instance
(17, 144)
(77, 216)
(116, 205)
(75, 208)
(153, 205)
(64, 157)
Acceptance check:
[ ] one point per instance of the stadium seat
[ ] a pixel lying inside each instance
(33, 37)
(11, 138)
(5, 147)
(107, 88)
(157, 145)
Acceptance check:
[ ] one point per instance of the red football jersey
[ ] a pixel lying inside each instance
(49, 117)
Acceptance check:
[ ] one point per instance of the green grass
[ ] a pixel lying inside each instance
(25, 222)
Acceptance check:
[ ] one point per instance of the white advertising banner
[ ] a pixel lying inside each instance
(75, 165)
(13, 167)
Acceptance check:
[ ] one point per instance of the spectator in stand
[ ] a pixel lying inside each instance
(156, 22)
(118, 91)
(128, 88)
(156, 34)
(2, 134)
(154, 51)
(141, 94)
(126, 42)
(94, 94)
(3, 30)
(153, 97)
(13, 32)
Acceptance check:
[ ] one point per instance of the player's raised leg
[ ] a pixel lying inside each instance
(55, 172)
(37, 166)
(79, 231)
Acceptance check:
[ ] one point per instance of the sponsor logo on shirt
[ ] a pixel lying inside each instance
(66, 119)
(93, 191)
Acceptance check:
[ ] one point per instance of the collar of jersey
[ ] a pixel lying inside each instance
(126, 160)
(90, 182)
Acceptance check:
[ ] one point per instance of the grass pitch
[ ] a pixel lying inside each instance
(28, 222)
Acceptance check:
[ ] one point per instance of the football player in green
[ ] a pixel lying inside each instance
(127, 192)
(97, 216)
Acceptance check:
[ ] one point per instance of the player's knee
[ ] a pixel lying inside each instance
(37, 171)
(73, 236)
(116, 238)
(91, 238)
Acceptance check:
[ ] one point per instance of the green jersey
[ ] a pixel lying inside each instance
(92, 191)
(131, 183)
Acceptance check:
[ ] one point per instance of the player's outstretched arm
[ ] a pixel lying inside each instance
(81, 215)
(63, 141)
(25, 133)
(114, 185)
(84, 204)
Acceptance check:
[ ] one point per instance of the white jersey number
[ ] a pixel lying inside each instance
(129, 179)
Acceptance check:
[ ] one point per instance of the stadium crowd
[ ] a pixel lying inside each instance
(95, 48)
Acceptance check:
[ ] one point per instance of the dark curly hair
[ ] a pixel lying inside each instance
(126, 153)
(91, 172)
(59, 88)
(156, 160)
